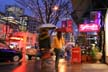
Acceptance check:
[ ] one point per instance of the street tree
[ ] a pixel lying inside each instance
(48, 11)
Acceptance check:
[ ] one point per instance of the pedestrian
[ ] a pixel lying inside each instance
(58, 43)
(47, 63)
(36, 46)
(44, 42)
(68, 50)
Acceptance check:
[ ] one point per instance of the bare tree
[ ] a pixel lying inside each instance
(43, 9)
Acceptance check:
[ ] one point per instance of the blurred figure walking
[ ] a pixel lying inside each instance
(58, 43)
(44, 42)
(47, 63)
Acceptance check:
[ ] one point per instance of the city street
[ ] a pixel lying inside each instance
(34, 66)
(31, 31)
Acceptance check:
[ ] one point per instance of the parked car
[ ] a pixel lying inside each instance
(10, 54)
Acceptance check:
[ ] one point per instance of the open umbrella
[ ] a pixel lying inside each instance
(47, 26)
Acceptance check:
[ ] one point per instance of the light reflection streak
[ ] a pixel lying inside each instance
(62, 65)
(21, 68)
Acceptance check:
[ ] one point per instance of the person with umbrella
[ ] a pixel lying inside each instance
(44, 38)
(44, 42)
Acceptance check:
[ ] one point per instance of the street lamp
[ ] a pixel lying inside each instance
(55, 8)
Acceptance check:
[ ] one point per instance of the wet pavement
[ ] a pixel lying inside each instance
(34, 66)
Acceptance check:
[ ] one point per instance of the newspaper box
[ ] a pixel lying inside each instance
(76, 55)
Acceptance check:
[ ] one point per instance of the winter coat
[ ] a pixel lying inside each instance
(44, 41)
(58, 43)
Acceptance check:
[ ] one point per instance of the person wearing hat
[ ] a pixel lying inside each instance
(58, 43)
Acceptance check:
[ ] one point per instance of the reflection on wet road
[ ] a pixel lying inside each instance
(21, 68)
(62, 66)
(30, 66)
(35, 66)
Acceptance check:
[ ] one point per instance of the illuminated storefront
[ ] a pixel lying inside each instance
(19, 37)
(90, 32)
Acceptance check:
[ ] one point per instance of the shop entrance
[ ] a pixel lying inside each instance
(90, 48)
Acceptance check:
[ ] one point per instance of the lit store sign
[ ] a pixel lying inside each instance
(88, 27)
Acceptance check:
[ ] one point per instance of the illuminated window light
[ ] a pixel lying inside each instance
(16, 38)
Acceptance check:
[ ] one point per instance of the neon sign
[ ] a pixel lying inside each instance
(88, 27)
(67, 26)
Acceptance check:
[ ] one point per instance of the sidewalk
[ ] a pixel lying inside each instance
(64, 66)
(95, 68)
(88, 67)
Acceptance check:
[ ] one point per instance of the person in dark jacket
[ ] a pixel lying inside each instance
(47, 61)
(44, 42)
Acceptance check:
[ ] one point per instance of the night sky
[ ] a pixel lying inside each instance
(11, 2)
(6, 2)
